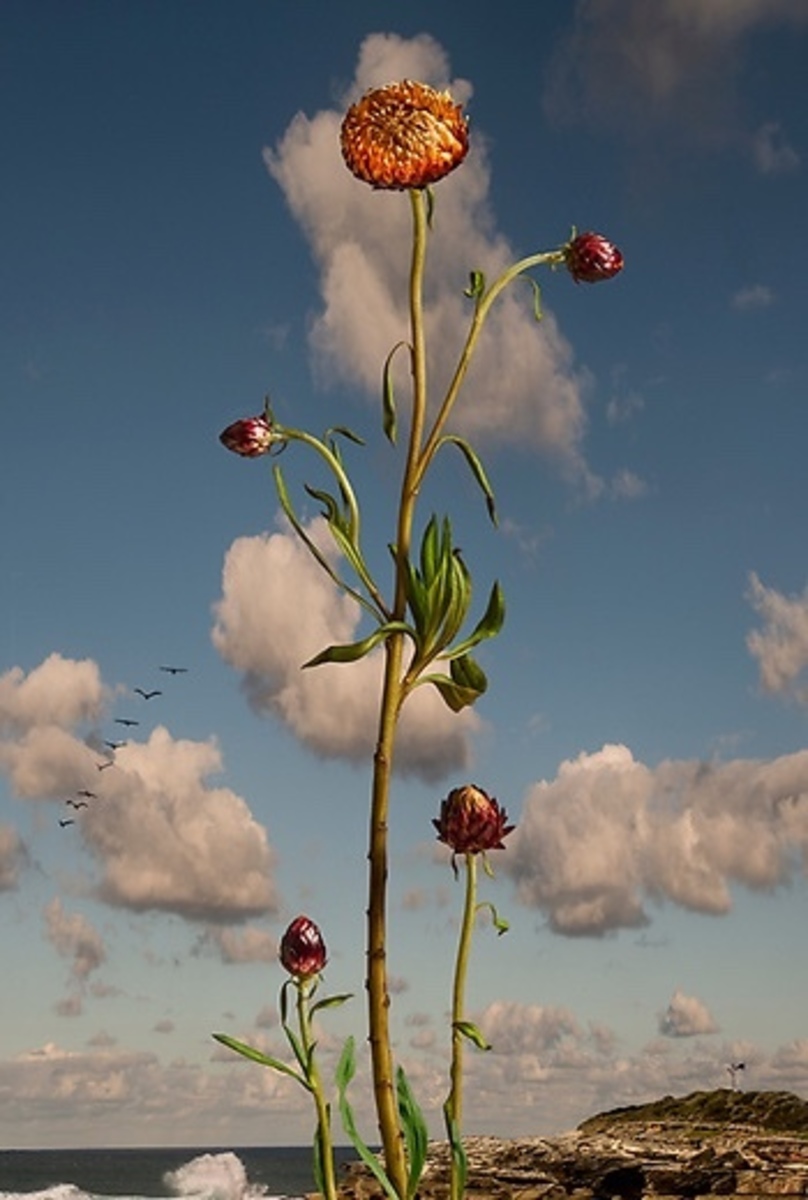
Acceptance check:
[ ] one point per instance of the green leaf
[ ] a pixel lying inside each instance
(345, 432)
(468, 1029)
(536, 297)
(467, 673)
(488, 626)
(429, 196)
(499, 923)
(330, 1002)
(476, 285)
(415, 1131)
(453, 695)
(389, 423)
(460, 1163)
(477, 470)
(331, 510)
(346, 1069)
(353, 651)
(257, 1056)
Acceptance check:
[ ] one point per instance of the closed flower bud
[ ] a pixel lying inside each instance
(590, 257)
(303, 951)
(404, 135)
(250, 437)
(471, 821)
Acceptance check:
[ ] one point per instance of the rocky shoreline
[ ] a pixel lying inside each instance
(709, 1144)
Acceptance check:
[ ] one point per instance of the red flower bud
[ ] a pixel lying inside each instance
(404, 135)
(250, 437)
(471, 821)
(590, 257)
(303, 951)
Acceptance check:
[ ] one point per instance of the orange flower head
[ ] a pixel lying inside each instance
(404, 135)
(471, 821)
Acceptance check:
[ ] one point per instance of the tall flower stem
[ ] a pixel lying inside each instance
(315, 1083)
(392, 699)
(454, 1103)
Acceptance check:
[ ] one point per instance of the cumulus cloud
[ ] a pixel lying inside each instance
(771, 152)
(76, 939)
(238, 945)
(757, 295)
(163, 837)
(524, 387)
(686, 1016)
(609, 834)
(631, 65)
(278, 609)
(781, 646)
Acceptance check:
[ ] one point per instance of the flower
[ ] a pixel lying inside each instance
(250, 437)
(404, 135)
(303, 951)
(471, 821)
(590, 257)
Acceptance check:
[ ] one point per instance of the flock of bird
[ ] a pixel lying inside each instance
(84, 795)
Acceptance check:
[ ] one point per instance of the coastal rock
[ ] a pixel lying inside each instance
(748, 1145)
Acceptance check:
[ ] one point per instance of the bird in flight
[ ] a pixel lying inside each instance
(175, 670)
(114, 746)
(125, 721)
(102, 766)
(147, 695)
(89, 795)
(76, 803)
(68, 821)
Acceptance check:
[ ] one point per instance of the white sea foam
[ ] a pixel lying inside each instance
(214, 1177)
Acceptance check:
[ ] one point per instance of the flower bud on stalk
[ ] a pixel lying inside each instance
(249, 437)
(303, 953)
(590, 258)
(471, 821)
(405, 135)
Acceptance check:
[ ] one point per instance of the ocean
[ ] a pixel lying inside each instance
(244, 1174)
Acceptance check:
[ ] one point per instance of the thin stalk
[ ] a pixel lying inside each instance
(481, 310)
(316, 1084)
(392, 698)
(454, 1102)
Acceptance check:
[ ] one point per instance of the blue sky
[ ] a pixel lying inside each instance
(181, 239)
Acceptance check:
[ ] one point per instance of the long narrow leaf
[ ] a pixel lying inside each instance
(477, 470)
(346, 1068)
(257, 1056)
(488, 626)
(389, 420)
(460, 1162)
(351, 652)
(330, 1002)
(415, 1131)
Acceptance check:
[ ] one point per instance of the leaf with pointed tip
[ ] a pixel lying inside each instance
(389, 421)
(346, 1069)
(468, 1029)
(453, 694)
(353, 651)
(429, 196)
(467, 673)
(536, 298)
(345, 432)
(330, 1002)
(488, 626)
(477, 470)
(459, 1160)
(415, 1130)
(265, 1060)
(330, 507)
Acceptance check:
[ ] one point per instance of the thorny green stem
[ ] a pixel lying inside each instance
(392, 698)
(454, 1101)
(315, 1083)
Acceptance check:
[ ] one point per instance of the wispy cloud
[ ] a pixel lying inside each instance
(632, 67)
(756, 295)
(76, 939)
(772, 153)
(608, 834)
(278, 609)
(781, 645)
(686, 1016)
(524, 387)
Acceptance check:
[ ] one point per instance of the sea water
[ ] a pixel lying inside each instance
(143, 1174)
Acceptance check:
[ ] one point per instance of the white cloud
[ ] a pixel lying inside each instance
(771, 152)
(781, 646)
(632, 65)
(278, 609)
(686, 1016)
(164, 838)
(594, 845)
(238, 945)
(524, 387)
(757, 295)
